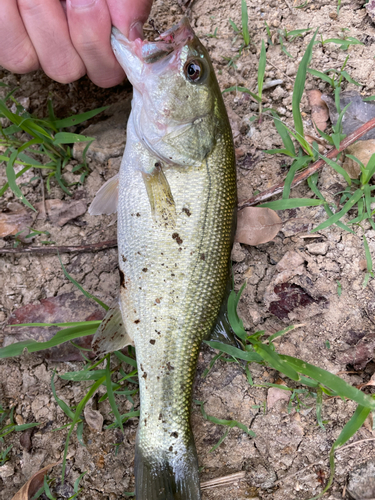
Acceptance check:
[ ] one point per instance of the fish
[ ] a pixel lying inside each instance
(175, 197)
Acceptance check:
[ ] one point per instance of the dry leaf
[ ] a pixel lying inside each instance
(14, 220)
(60, 212)
(358, 113)
(94, 418)
(363, 150)
(319, 109)
(256, 225)
(29, 489)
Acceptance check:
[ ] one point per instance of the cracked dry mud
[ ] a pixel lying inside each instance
(288, 457)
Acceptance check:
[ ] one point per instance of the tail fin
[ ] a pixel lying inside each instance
(170, 478)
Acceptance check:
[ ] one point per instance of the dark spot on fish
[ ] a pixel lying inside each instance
(175, 452)
(157, 165)
(160, 416)
(145, 422)
(159, 333)
(138, 214)
(122, 279)
(158, 378)
(169, 366)
(144, 375)
(158, 300)
(176, 237)
(173, 274)
(124, 259)
(141, 367)
(187, 211)
(145, 269)
(120, 324)
(137, 321)
(171, 448)
(152, 341)
(174, 434)
(203, 257)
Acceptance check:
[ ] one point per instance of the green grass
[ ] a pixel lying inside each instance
(48, 147)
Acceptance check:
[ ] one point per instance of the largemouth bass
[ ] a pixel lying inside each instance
(176, 214)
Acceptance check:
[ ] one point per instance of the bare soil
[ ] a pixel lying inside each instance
(288, 458)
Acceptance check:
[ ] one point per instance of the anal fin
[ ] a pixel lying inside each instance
(111, 334)
(160, 196)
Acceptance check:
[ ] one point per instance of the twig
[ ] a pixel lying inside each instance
(223, 481)
(93, 247)
(315, 167)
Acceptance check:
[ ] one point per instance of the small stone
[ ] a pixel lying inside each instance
(317, 248)
(238, 255)
(291, 260)
(19, 419)
(274, 395)
(6, 470)
(333, 15)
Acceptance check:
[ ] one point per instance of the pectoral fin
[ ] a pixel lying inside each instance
(106, 199)
(159, 194)
(111, 334)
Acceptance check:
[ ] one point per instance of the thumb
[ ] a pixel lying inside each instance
(129, 16)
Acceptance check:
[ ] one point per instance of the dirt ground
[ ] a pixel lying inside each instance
(288, 458)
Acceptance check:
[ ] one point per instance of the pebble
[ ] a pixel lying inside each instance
(238, 255)
(317, 248)
(6, 470)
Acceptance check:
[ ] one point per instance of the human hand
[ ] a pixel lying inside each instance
(68, 39)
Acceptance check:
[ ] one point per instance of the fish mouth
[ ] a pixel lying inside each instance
(166, 43)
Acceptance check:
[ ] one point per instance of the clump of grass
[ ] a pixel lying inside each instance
(47, 146)
(260, 349)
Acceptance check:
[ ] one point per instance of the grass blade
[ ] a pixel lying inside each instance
(298, 89)
(292, 203)
(77, 119)
(337, 216)
(111, 397)
(234, 351)
(333, 382)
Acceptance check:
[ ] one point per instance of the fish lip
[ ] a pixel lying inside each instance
(149, 52)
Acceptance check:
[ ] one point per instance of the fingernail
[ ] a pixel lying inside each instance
(77, 4)
(136, 31)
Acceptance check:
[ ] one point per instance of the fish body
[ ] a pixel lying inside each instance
(176, 216)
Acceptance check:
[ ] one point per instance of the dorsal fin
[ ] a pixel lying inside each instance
(106, 199)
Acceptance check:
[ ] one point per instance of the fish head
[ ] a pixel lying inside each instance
(175, 93)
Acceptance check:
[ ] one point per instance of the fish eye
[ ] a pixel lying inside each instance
(193, 71)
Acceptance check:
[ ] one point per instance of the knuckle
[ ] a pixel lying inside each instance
(65, 72)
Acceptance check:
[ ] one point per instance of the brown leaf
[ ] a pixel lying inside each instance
(93, 418)
(25, 439)
(65, 307)
(256, 225)
(60, 212)
(14, 220)
(29, 489)
(363, 150)
(319, 109)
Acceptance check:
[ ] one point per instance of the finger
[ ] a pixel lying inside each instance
(90, 30)
(17, 53)
(129, 16)
(47, 27)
